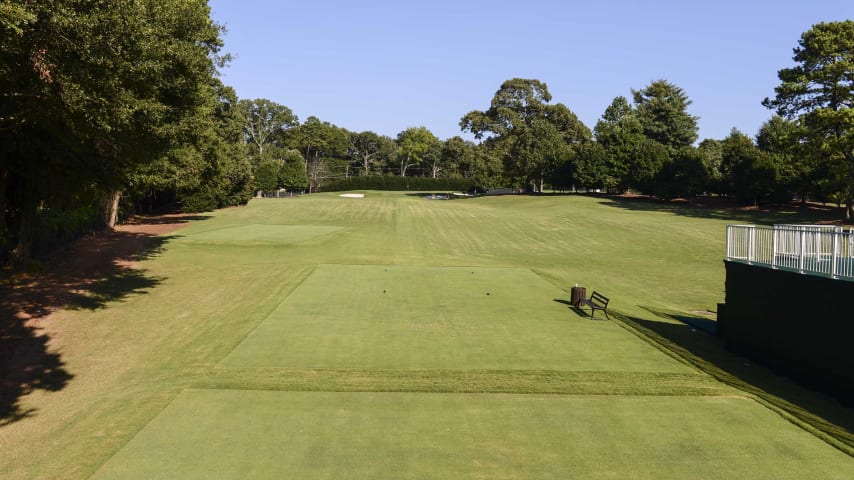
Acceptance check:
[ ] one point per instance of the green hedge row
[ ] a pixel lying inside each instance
(396, 183)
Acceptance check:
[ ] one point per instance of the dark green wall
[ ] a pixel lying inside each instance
(800, 325)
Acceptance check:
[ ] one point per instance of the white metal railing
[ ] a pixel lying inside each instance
(815, 249)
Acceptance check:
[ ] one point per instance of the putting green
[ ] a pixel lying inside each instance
(258, 234)
(212, 434)
(368, 316)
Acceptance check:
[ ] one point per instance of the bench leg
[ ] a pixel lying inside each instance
(605, 311)
(592, 312)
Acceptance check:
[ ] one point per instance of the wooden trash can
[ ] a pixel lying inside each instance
(577, 294)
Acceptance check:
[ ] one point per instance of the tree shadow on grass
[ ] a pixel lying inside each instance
(823, 415)
(168, 219)
(723, 210)
(86, 276)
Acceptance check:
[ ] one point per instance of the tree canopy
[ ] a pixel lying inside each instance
(523, 128)
(91, 92)
(818, 92)
(661, 109)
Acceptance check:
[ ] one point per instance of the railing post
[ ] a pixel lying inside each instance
(751, 245)
(801, 250)
(835, 257)
(728, 242)
(774, 234)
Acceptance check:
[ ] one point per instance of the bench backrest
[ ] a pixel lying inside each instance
(597, 297)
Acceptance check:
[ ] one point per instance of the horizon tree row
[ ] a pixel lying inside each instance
(110, 109)
(648, 145)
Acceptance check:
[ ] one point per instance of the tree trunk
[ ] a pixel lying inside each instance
(849, 197)
(21, 252)
(113, 208)
(3, 179)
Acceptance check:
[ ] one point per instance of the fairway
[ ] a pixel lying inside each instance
(208, 434)
(262, 234)
(396, 337)
(392, 317)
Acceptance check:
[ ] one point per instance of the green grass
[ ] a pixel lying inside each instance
(210, 434)
(386, 317)
(251, 235)
(261, 341)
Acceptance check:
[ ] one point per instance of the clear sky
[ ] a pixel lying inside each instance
(389, 65)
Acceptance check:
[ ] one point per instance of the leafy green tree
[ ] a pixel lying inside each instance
(316, 138)
(538, 151)
(644, 166)
(591, 167)
(292, 175)
(514, 106)
(819, 93)
(264, 123)
(519, 107)
(14, 18)
(481, 164)
(661, 109)
(226, 179)
(749, 173)
(620, 133)
(454, 151)
(683, 175)
(414, 146)
(267, 175)
(711, 153)
(92, 91)
(371, 151)
(781, 140)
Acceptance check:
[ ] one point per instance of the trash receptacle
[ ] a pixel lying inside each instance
(577, 295)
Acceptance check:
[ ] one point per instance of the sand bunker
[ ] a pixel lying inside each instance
(352, 195)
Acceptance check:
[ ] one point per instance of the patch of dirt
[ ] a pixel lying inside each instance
(89, 273)
(66, 274)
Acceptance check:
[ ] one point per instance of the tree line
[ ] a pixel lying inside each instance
(647, 143)
(113, 107)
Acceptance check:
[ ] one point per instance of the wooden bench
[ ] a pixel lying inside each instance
(597, 301)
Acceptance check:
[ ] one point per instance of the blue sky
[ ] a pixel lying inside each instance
(386, 66)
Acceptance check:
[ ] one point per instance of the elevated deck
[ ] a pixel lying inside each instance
(822, 250)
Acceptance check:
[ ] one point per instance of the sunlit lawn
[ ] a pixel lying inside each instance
(398, 337)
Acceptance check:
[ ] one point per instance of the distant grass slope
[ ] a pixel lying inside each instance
(282, 296)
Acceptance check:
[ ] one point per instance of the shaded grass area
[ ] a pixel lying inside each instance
(720, 209)
(821, 415)
(76, 279)
(131, 359)
(239, 434)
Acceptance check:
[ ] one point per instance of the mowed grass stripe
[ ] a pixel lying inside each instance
(213, 434)
(455, 381)
(261, 234)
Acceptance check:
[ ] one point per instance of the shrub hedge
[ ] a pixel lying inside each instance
(396, 183)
